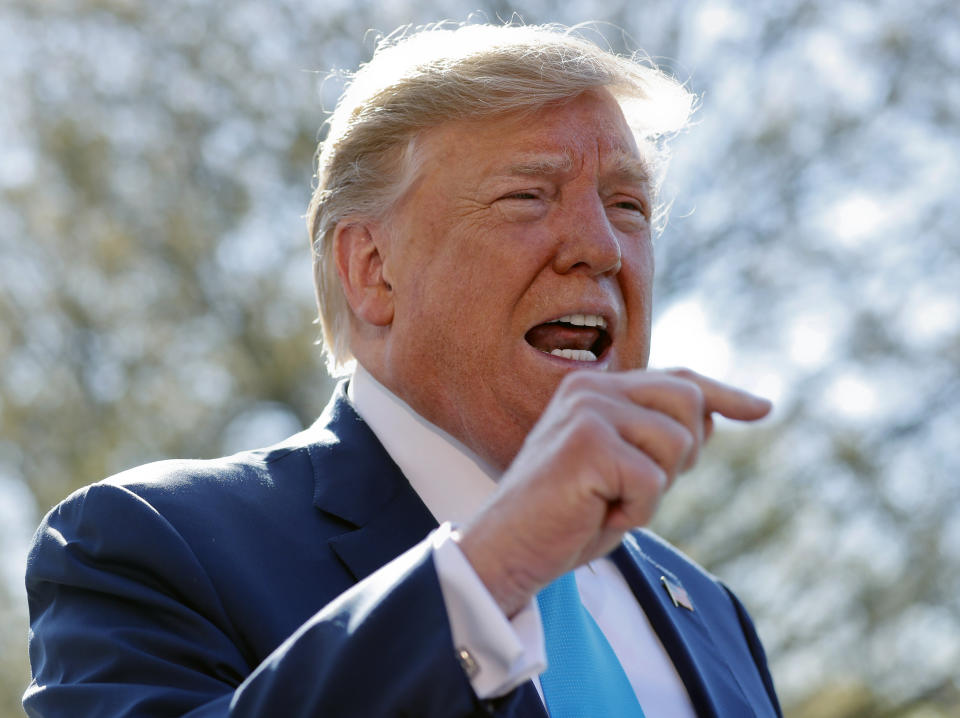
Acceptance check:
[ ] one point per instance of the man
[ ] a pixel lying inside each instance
(482, 229)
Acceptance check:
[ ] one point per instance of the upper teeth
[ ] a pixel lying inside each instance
(582, 320)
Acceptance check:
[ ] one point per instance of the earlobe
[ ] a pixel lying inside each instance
(360, 266)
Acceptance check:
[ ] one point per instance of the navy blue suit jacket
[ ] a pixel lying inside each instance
(296, 582)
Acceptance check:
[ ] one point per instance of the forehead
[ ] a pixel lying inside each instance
(554, 139)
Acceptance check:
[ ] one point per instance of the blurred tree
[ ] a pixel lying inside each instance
(156, 295)
(817, 240)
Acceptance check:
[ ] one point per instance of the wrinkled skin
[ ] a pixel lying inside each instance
(512, 223)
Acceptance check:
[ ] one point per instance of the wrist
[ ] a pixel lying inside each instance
(511, 587)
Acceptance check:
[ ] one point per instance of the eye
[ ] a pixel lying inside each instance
(631, 205)
(523, 205)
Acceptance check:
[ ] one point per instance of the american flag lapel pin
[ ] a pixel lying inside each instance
(678, 594)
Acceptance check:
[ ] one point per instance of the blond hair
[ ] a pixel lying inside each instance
(419, 80)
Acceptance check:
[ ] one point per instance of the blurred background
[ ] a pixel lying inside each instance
(156, 298)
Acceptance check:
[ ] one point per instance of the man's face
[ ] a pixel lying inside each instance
(511, 225)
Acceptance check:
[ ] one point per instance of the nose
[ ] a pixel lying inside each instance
(588, 242)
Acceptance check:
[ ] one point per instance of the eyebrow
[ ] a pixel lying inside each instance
(542, 164)
(625, 167)
(631, 169)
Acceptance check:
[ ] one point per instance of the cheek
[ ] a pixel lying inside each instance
(488, 276)
(638, 265)
(637, 287)
(641, 252)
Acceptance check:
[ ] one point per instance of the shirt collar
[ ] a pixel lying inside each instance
(450, 479)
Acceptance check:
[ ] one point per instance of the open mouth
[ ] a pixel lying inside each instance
(580, 337)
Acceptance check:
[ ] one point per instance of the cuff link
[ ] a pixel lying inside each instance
(468, 663)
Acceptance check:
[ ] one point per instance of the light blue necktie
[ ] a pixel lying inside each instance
(584, 679)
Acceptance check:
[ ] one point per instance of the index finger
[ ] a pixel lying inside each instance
(725, 399)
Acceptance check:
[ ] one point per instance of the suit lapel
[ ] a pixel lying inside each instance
(403, 522)
(712, 687)
(357, 482)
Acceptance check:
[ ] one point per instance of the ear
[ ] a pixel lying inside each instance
(360, 267)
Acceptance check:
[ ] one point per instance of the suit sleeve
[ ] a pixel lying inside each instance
(125, 622)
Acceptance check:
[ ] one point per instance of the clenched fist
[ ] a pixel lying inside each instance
(595, 465)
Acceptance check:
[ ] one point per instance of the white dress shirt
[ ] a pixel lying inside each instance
(454, 483)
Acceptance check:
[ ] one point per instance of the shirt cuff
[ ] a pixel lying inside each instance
(497, 653)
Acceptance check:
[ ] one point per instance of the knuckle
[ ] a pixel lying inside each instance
(682, 372)
(692, 397)
(581, 402)
(680, 382)
(589, 425)
(658, 476)
(685, 444)
(577, 382)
